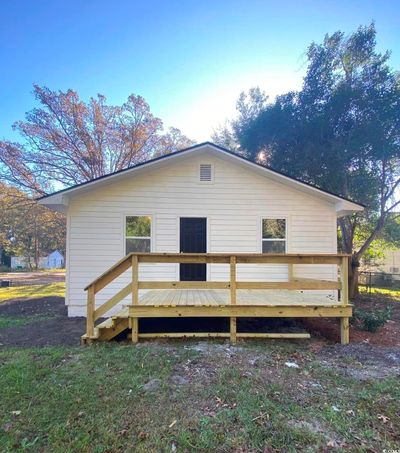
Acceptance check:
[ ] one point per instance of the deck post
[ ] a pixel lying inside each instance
(135, 297)
(344, 299)
(90, 312)
(233, 330)
(344, 330)
(290, 272)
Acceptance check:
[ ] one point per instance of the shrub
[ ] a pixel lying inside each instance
(371, 320)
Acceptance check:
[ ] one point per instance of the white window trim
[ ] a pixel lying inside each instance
(125, 237)
(212, 173)
(285, 240)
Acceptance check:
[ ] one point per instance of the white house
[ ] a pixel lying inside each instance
(54, 261)
(200, 199)
(22, 262)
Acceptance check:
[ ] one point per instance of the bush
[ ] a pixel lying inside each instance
(371, 320)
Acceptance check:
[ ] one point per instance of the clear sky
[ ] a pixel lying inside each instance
(188, 59)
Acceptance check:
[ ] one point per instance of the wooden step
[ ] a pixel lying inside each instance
(112, 327)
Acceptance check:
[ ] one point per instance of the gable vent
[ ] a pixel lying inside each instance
(205, 173)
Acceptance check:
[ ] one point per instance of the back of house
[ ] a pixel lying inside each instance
(202, 199)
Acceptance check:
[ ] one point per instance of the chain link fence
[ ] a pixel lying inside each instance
(369, 280)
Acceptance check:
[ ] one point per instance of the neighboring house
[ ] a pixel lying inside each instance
(22, 262)
(201, 199)
(54, 261)
(389, 264)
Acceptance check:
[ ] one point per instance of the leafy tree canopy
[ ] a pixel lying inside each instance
(341, 131)
(66, 141)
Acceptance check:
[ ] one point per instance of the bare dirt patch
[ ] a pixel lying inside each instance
(47, 323)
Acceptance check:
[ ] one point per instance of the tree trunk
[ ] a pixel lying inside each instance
(353, 276)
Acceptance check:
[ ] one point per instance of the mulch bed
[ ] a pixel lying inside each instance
(388, 335)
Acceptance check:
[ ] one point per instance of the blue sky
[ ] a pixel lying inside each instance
(188, 59)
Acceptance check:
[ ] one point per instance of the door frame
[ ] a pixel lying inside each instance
(178, 240)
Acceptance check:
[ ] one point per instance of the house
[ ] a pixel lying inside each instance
(22, 262)
(203, 199)
(391, 263)
(54, 261)
(384, 270)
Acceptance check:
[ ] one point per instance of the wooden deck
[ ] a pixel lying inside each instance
(232, 299)
(218, 297)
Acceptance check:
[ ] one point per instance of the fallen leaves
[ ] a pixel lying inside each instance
(383, 418)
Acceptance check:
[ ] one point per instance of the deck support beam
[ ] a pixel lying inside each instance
(90, 312)
(245, 311)
(134, 322)
(344, 331)
(233, 329)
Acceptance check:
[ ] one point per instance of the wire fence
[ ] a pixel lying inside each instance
(383, 280)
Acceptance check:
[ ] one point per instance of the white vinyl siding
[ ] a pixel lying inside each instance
(234, 205)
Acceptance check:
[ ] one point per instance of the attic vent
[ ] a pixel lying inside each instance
(205, 173)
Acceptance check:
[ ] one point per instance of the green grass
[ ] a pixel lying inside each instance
(92, 400)
(7, 321)
(377, 290)
(17, 292)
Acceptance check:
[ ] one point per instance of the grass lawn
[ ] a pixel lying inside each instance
(386, 291)
(9, 321)
(202, 397)
(17, 292)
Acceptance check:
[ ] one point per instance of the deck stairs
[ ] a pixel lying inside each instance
(110, 328)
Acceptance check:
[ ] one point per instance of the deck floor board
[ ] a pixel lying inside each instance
(216, 297)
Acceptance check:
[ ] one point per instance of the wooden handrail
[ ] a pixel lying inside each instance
(221, 258)
(233, 259)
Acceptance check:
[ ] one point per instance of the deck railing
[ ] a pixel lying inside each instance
(133, 260)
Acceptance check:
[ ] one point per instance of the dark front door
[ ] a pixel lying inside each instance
(193, 239)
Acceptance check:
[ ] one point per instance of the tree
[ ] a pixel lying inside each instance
(249, 106)
(341, 131)
(388, 239)
(28, 229)
(67, 141)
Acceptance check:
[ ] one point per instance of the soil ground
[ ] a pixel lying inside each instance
(33, 278)
(47, 323)
(44, 322)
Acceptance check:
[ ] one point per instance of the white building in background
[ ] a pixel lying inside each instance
(53, 261)
(391, 263)
(22, 262)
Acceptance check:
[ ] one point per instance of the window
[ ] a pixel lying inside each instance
(273, 235)
(206, 173)
(137, 234)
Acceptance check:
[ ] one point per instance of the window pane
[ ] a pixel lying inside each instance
(274, 229)
(138, 226)
(273, 246)
(137, 245)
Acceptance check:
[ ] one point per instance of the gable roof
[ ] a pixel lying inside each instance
(59, 200)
